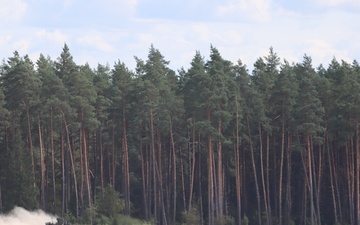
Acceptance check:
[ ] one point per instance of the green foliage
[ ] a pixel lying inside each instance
(126, 220)
(90, 215)
(244, 220)
(17, 181)
(191, 217)
(225, 220)
(211, 104)
(109, 204)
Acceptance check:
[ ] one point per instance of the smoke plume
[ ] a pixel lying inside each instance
(20, 216)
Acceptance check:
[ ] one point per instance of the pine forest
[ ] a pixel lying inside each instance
(213, 144)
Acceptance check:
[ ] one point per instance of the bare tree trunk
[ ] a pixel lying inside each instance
(113, 162)
(331, 171)
(317, 181)
(81, 156)
(153, 168)
(125, 163)
(144, 180)
(72, 165)
(310, 173)
(101, 145)
(53, 160)
(268, 218)
(210, 177)
(350, 180)
(30, 145)
(288, 180)
(63, 178)
(182, 178)
(281, 166)
(1, 202)
(357, 173)
(254, 169)
(192, 170)
(335, 170)
(264, 188)
(86, 164)
(159, 176)
(237, 167)
(42, 168)
(220, 179)
(172, 144)
(200, 183)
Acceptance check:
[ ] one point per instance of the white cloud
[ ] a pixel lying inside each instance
(56, 35)
(292, 34)
(324, 51)
(334, 3)
(4, 40)
(128, 7)
(12, 10)
(202, 31)
(254, 9)
(21, 45)
(97, 41)
(67, 3)
(130, 4)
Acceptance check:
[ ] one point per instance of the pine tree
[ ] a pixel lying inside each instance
(283, 99)
(66, 70)
(122, 87)
(309, 117)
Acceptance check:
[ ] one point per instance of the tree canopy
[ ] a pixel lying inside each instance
(214, 143)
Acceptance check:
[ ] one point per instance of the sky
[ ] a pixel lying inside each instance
(108, 31)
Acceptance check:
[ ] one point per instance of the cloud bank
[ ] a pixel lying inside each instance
(20, 216)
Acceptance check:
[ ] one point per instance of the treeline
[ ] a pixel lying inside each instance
(214, 143)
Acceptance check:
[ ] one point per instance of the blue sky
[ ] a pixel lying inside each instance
(105, 31)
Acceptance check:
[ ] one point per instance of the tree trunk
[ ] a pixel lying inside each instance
(288, 204)
(73, 169)
(113, 161)
(317, 180)
(331, 171)
(254, 169)
(153, 168)
(82, 160)
(42, 168)
(210, 176)
(125, 163)
(144, 180)
(101, 145)
(350, 180)
(310, 173)
(200, 183)
(86, 164)
(220, 178)
(159, 176)
(182, 179)
(264, 188)
(63, 178)
(192, 171)
(172, 144)
(281, 166)
(53, 160)
(30, 145)
(1, 201)
(237, 168)
(357, 173)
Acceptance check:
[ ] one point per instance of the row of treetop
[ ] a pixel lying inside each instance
(214, 143)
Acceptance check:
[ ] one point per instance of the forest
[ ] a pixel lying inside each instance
(214, 144)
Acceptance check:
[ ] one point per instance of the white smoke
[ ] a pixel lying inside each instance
(20, 216)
